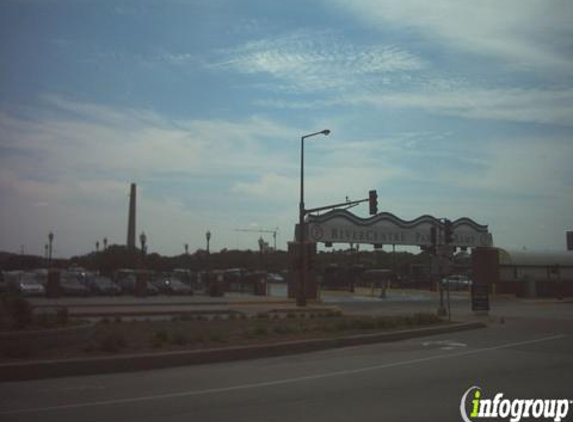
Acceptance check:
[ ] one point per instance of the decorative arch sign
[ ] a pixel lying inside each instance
(341, 226)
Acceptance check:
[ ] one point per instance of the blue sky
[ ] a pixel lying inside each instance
(450, 108)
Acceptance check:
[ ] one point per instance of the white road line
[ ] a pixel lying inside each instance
(277, 382)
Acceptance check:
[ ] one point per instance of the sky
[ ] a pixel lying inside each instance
(450, 108)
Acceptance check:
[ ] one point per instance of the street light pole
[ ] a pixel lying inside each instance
(143, 240)
(301, 296)
(261, 246)
(50, 240)
(208, 238)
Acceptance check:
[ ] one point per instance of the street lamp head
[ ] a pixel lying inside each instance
(322, 132)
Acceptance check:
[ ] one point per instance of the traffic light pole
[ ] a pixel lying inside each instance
(301, 296)
(438, 236)
(342, 204)
(372, 199)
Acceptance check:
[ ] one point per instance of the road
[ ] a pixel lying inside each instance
(527, 354)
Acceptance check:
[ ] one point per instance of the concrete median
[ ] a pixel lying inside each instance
(139, 362)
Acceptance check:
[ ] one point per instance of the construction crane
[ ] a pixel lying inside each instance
(273, 231)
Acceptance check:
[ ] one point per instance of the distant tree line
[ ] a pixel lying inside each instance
(119, 256)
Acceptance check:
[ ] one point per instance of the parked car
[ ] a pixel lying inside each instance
(275, 278)
(127, 285)
(103, 286)
(28, 286)
(21, 282)
(172, 286)
(69, 286)
(456, 282)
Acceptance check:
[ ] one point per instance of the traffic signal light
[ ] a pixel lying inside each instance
(373, 202)
(448, 232)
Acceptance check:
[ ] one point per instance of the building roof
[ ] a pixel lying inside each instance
(535, 258)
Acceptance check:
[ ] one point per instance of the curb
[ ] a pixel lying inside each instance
(140, 362)
(107, 312)
(166, 304)
(164, 313)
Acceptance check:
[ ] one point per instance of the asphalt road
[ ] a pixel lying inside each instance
(529, 355)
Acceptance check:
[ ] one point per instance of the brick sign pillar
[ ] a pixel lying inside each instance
(53, 283)
(485, 266)
(485, 275)
(140, 284)
(311, 287)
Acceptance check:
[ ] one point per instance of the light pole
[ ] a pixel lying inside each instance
(208, 238)
(50, 240)
(104, 243)
(301, 297)
(143, 240)
(261, 246)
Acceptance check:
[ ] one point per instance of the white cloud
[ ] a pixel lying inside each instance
(331, 175)
(533, 105)
(316, 61)
(136, 142)
(69, 172)
(522, 167)
(78, 158)
(524, 33)
(269, 185)
(517, 105)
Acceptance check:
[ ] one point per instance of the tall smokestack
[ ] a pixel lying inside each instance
(131, 219)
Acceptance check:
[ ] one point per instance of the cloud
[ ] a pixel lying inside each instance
(526, 105)
(333, 172)
(67, 168)
(270, 184)
(75, 136)
(532, 34)
(527, 167)
(317, 61)
(78, 158)
(516, 105)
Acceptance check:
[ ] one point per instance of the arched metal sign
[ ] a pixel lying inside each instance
(341, 226)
